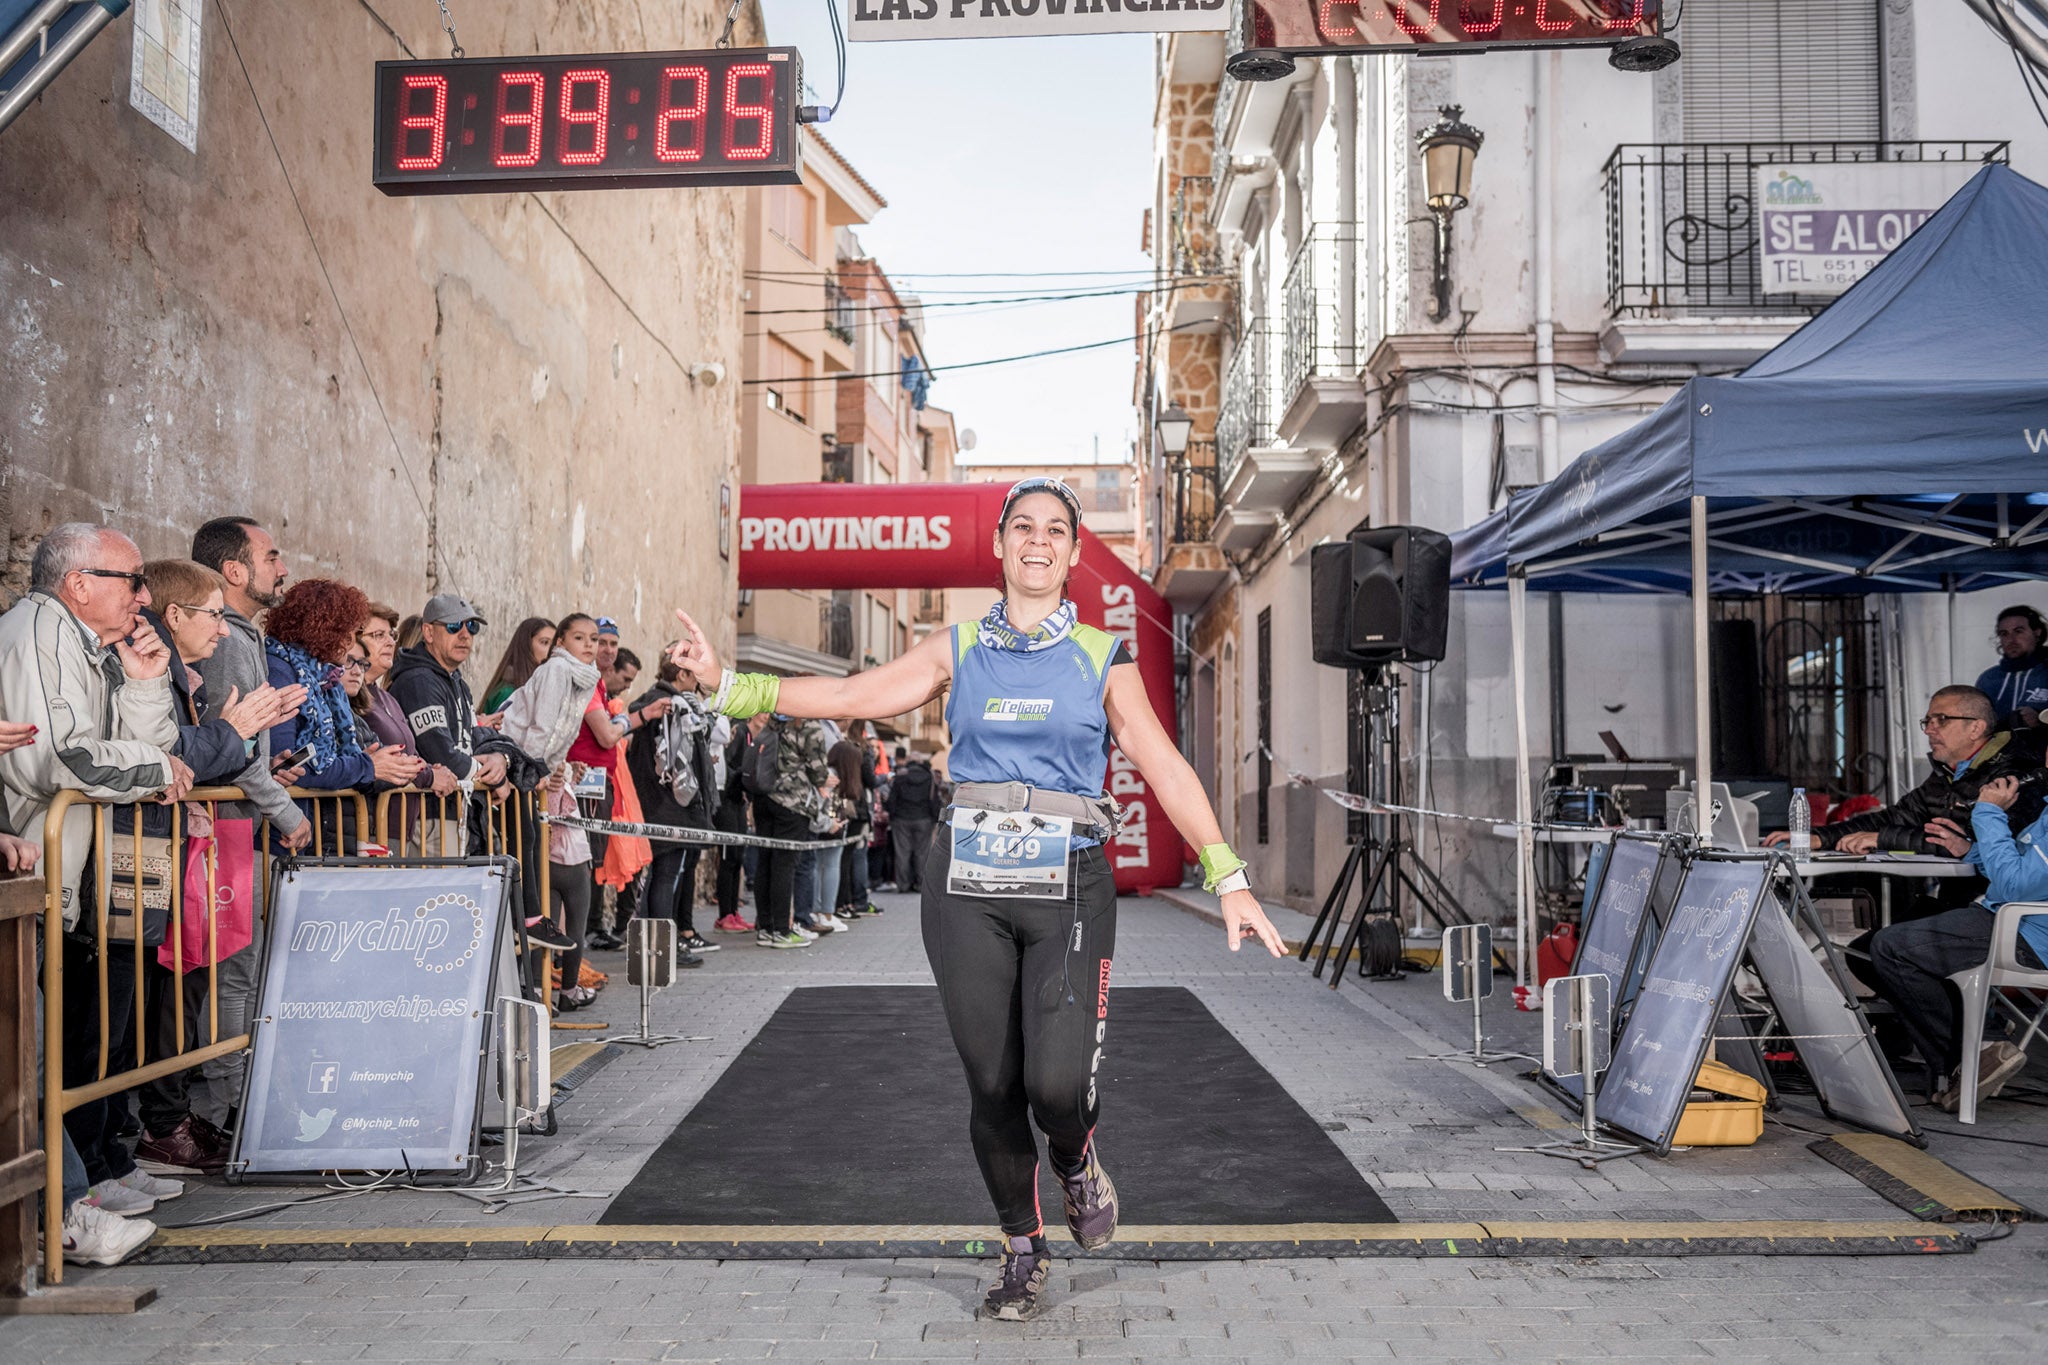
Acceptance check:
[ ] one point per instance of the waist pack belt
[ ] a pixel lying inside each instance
(1100, 812)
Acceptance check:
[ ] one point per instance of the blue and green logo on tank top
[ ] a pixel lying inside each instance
(1017, 708)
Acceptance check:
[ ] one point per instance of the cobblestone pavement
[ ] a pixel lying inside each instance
(1423, 1132)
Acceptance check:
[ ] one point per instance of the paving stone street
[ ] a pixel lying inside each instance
(1424, 1134)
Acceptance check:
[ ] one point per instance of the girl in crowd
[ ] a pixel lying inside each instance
(1024, 977)
(528, 649)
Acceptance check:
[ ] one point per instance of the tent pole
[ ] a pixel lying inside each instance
(1702, 681)
(1518, 644)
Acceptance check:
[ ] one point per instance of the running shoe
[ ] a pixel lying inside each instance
(542, 933)
(1091, 1202)
(804, 932)
(92, 1236)
(605, 941)
(770, 939)
(733, 924)
(697, 943)
(686, 958)
(1020, 1294)
(833, 921)
(111, 1196)
(143, 1183)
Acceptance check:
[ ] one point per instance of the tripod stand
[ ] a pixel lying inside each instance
(1381, 851)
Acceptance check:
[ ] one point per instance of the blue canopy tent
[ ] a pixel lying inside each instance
(1898, 442)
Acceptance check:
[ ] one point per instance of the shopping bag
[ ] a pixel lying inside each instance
(231, 907)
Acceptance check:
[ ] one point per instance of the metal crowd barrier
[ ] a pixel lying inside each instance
(158, 884)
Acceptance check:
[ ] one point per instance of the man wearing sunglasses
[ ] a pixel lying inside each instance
(428, 685)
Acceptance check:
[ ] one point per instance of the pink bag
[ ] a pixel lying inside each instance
(233, 901)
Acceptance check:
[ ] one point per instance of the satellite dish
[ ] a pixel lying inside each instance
(967, 439)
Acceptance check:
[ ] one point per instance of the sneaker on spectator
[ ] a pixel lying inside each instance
(118, 1199)
(783, 940)
(194, 1147)
(142, 1182)
(697, 943)
(543, 933)
(733, 924)
(605, 941)
(836, 922)
(808, 935)
(1998, 1063)
(92, 1236)
(686, 958)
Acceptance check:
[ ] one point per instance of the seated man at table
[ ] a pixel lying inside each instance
(1934, 817)
(1913, 961)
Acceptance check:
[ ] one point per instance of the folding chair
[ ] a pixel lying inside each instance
(1979, 986)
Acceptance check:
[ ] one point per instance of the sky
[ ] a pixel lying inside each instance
(1028, 155)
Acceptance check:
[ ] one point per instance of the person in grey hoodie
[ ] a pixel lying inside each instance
(243, 554)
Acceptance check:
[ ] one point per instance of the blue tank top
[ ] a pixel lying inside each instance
(1031, 716)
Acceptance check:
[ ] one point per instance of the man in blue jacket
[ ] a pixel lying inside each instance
(1913, 961)
(2018, 683)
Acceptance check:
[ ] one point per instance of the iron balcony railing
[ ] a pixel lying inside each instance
(1682, 220)
(839, 314)
(1318, 336)
(1250, 403)
(1196, 252)
(1191, 487)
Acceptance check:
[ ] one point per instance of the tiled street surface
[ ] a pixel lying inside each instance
(1424, 1133)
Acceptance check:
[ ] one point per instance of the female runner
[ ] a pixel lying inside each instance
(1022, 953)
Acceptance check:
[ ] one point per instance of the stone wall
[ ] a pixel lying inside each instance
(484, 393)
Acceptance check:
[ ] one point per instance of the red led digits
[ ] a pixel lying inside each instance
(434, 124)
(594, 118)
(735, 111)
(1634, 21)
(1547, 24)
(527, 118)
(1326, 27)
(691, 148)
(1475, 27)
(1399, 8)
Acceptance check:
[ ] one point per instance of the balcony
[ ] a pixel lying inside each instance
(1319, 354)
(835, 625)
(1684, 276)
(1190, 568)
(839, 313)
(1258, 474)
(1198, 299)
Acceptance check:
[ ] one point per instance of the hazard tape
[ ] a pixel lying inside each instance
(676, 834)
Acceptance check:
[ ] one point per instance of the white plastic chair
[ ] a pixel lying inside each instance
(1980, 985)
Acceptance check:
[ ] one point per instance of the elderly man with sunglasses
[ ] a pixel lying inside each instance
(78, 661)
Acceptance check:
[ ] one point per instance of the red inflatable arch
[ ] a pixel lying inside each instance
(849, 535)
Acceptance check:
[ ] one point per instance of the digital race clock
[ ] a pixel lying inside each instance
(613, 120)
(1309, 27)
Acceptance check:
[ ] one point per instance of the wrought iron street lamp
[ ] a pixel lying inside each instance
(1449, 146)
(1174, 427)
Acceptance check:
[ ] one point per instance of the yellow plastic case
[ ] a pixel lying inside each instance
(1734, 1121)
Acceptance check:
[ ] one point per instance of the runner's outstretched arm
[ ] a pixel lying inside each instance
(1145, 742)
(899, 686)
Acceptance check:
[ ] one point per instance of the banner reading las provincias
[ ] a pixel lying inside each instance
(891, 20)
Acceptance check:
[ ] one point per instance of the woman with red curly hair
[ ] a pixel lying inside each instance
(307, 638)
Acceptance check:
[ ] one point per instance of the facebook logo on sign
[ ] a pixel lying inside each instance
(326, 1078)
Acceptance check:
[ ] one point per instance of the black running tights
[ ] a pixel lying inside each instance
(1025, 987)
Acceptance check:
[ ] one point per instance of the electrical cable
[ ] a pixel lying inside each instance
(978, 364)
(948, 303)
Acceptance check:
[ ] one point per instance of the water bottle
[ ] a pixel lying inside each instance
(1799, 817)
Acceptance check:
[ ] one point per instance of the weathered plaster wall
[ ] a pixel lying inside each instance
(494, 394)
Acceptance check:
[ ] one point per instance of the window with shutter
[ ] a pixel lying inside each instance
(1781, 70)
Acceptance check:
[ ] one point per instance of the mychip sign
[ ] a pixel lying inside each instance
(368, 1047)
(1822, 227)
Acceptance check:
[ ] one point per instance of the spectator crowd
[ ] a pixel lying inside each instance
(134, 683)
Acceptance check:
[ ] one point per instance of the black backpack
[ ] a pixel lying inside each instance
(758, 777)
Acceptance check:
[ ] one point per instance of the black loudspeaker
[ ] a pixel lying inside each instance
(1380, 596)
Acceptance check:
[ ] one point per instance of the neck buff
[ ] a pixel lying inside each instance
(324, 721)
(996, 632)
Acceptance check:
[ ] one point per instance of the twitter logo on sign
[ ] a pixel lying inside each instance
(313, 1127)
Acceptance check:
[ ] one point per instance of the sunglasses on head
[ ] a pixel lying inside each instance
(607, 626)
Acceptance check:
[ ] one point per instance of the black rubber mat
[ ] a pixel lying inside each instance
(849, 1107)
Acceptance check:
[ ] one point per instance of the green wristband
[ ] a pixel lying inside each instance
(1218, 862)
(751, 694)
